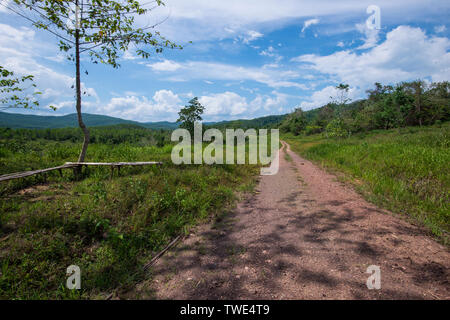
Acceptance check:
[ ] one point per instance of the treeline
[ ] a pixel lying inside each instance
(113, 135)
(413, 103)
(257, 123)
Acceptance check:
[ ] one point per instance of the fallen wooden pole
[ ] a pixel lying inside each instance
(159, 255)
(24, 174)
(17, 175)
(152, 262)
(115, 164)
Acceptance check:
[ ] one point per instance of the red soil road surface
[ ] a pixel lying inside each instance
(302, 235)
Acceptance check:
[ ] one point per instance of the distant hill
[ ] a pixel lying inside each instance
(17, 120)
(263, 122)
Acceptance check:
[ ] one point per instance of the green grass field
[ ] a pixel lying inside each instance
(108, 227)
(404, 170)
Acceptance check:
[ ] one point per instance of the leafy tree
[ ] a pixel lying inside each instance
(416, 90)
(102, 29)
(439, 99)
(379, 92)
(408, 103)
(11, 88)
(342, 95)
(295, 122)
(325, 115)
(190, 114)
(336, 129)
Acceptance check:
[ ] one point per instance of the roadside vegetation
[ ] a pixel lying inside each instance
(386, 107)
(109, 227)
(405, 170)
(394, 146)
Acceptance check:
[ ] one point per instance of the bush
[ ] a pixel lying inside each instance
(313, 130)
(336, 129)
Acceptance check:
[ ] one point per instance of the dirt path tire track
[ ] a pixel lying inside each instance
(302, 235)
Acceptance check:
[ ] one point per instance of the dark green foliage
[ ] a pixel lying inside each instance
(406, 104)
(117, 134)
(295, 122)
(263, 122)
(16, 120)
(190, 114)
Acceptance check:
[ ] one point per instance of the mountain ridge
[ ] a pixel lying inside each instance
(27, 121)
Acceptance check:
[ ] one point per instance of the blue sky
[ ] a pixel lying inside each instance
(247, 58)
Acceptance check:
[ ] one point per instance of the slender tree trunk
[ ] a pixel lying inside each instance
(78, 89)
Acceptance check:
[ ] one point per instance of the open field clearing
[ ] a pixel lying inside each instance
(108, 227)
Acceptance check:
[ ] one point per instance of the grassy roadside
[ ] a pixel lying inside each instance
(109, 228)
(404, 170)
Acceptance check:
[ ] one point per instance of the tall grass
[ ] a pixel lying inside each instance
(405, 170)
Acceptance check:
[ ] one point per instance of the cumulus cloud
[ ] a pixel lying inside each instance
(324, 96)
(406, 54)
(227, 103)
(309, 23)
(163, 105)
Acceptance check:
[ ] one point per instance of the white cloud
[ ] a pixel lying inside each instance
(164, 105)
(269, 52)
(274, 103)
(406, 54)
(167, 100)
(129, 56)
(199, 20)
(166, 65)
(439, 29)
(20, 51)
(3, 6)
(251, 36)
(371, 36)
(200, 70)
(324, 96)
(309, 23)
(231, 105)
(227, 103)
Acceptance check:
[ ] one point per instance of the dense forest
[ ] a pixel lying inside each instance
(117, 134)
(413, 103)
(262, 122)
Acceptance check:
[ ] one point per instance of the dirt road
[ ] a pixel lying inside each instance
(302, 235)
